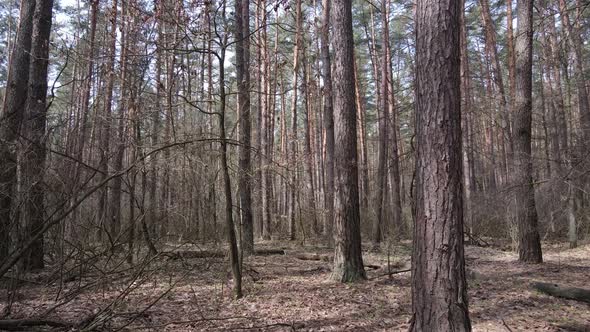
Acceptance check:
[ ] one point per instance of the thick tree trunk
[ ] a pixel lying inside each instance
(529, 245)
(11, 119)
(348, 261)
(32, 162)
(439, 285)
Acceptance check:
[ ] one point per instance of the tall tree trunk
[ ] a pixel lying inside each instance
(439, 285)
(308, 139)
(397, 227)
(529, 244)
(229, 221)
(243, 77)
(106, 120)
(466, 125)
(510, 53)
(32, 161)
(362, 136)
(328, 121)
(120, 124)
(94, 7)
(573, 36)
(348, 261)
(293, 159)
(11, 119)
(378, 224)
(492, 49)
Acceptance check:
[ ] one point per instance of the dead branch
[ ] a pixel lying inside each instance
(23, 324)
(314, 257)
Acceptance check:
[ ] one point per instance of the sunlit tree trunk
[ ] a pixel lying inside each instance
(348, 261)
(439, 285)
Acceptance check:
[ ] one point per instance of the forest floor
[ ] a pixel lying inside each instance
(284, 293)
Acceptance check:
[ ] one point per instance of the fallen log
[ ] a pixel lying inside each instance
(269, 252)
(25, 324)
(570, 293)
(304, 256)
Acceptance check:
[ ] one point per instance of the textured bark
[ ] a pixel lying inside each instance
(348, 261)
(243, 78)
(529, 245)
(32, 159)
(439, 286)
(328, 121)
(11, 119)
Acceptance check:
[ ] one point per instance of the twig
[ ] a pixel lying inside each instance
(506, 326)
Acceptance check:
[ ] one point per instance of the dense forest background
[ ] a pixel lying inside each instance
(132, 87)
(172, 124)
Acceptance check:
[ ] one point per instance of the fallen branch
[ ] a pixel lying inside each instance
(20, 324)
(314, 257)
(389, 274)
(476, 241)
(570, 293)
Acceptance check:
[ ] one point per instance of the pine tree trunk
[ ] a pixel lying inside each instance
(243, 77)
(439, 285)
(32, 159)
(12, 117)
(529, 245)
(328, 121)
(348, 261)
